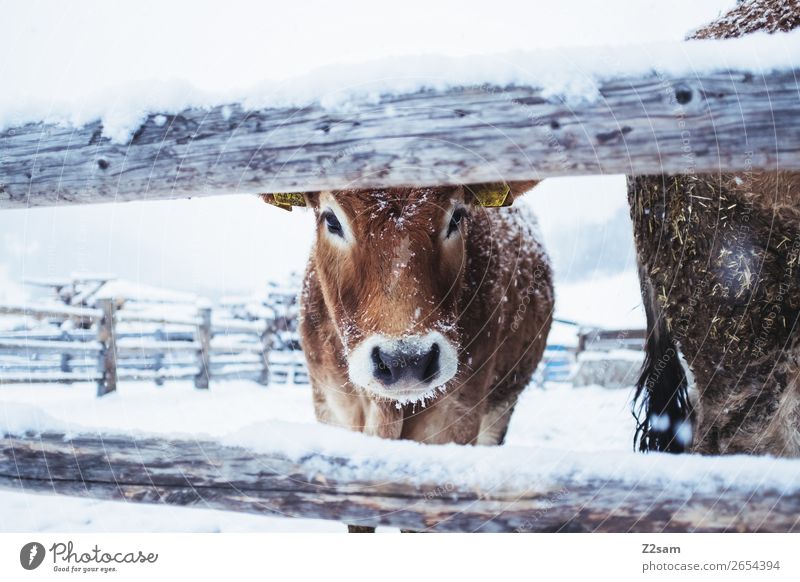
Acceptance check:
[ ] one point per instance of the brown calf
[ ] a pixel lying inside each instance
(423, 314)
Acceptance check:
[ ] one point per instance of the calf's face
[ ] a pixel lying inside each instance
(390, 264)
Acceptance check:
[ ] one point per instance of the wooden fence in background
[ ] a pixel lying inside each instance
(199, 348)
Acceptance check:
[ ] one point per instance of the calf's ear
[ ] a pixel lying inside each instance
(520, 188)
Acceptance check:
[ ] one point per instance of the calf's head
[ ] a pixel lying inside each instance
(390, 264)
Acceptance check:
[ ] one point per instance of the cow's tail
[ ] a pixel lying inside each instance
(661, 406)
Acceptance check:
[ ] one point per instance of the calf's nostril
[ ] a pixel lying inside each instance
(431, 364)
(381, 366)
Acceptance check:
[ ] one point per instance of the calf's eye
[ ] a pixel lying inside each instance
(458, 215)
(332, 223)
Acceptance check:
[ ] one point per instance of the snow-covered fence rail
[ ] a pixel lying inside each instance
(45, 347)
(360, 480)
(687, 111)
(43, 311)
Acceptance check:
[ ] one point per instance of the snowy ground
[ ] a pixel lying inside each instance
(558, 417)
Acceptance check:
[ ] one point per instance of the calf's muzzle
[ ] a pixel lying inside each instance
(414, 365)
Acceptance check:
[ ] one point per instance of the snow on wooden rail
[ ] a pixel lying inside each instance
(696, 107)
(315, 471)
(43, 311)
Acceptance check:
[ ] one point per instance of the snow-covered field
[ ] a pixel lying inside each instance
(558, 417)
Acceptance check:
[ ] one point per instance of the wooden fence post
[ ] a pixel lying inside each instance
(204, 340)
(267, 337)
(106, 335)
(158, 359)
(65, 363)
(65, 358)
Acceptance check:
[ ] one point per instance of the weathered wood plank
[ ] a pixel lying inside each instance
(207, 474)
(32, 346)
(729, 120)
(203, 341)
(150, 347)
(44, 377)
(133, 316)
(107, 338)
(41, 311)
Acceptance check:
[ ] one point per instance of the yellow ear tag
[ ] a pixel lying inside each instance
(285, 200)
(492, 195)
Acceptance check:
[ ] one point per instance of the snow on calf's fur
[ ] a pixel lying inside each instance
(424, 314)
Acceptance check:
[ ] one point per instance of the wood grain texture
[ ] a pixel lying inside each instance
(659, 123)
(206, 474)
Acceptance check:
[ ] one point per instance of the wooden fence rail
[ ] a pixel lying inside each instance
(658, 122)
(609, 339)
(364, 483)
(43, 311)
(55, 347)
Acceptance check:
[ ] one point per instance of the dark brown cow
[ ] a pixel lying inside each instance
(719, 266)
(423, 315)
